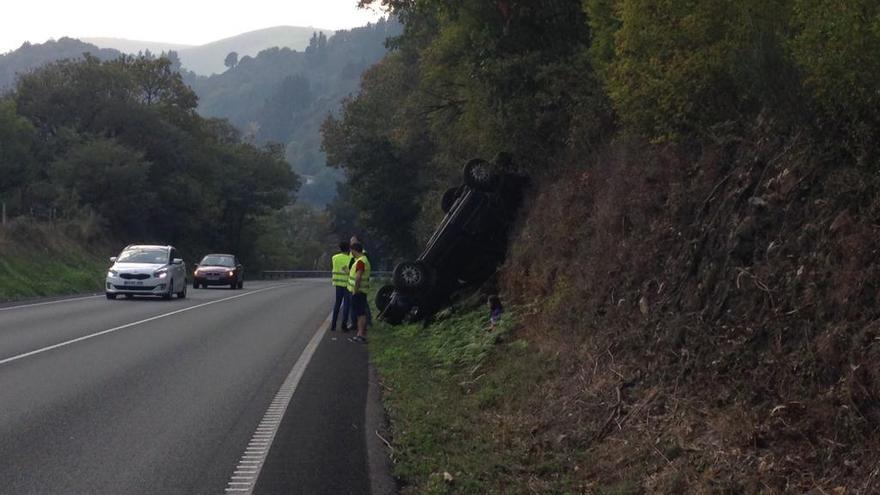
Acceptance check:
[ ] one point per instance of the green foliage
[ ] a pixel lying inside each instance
(682, 66)
(383, 185)
(121, 139)
(838, 46)
(17, 139)
(297, 237)
(284, 95)
(448, 389)
(93, 170)
(469, 79)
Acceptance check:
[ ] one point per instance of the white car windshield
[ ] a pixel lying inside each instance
(217, 261)
(144, 256)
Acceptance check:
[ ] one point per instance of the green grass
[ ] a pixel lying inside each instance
(456, 394)
(27, 273)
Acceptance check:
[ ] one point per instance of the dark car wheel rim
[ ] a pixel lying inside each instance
(481, 173)
(411, 275)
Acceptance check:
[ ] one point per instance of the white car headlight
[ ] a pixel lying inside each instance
(112, 273)
(160, 273)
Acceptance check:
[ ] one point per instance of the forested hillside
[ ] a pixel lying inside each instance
(31, 56)
(695, 271)
(283, 95)
(118, 144)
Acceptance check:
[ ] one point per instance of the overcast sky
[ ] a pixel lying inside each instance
(191, 22)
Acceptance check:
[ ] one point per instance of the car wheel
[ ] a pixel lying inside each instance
(480, 175)
(195, 285)
(383, 297)
(166, 296)
(182, 293)
(110, 296)
(448, 199)
(412, 276)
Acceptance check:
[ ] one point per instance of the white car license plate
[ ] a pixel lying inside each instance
(135, 282)
(213, 277)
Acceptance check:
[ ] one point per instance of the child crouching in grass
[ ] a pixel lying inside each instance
(495, 310)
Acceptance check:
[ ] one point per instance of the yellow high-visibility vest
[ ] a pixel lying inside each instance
(365, 278)
(340, 269)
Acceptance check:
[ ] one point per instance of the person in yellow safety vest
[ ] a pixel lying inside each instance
(358, 283)
(340, 263)
(353, 240)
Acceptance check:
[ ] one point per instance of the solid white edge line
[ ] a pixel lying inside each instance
(281, 400)
(129, 325)
(33, 305)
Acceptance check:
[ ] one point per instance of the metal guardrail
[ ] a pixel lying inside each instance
(280, 274)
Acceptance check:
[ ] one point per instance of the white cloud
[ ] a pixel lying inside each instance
(174, 21)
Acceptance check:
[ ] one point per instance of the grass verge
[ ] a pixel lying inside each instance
(462, 405)
(30, 267)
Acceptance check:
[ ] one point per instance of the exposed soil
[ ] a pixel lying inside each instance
(716, 310)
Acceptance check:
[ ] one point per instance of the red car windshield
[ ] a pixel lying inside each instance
(218, 261)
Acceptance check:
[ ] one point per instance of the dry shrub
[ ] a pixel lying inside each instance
(716, 313)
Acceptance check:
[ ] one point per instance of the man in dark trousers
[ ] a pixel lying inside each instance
(340, 264)
(358, 283)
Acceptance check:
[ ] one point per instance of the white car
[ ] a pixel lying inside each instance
(147, 270)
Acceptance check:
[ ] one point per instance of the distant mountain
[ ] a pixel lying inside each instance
(208, 59)
(29, 57)
(134, 47)
(284, 95)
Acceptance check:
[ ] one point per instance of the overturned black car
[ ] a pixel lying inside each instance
(467, 247)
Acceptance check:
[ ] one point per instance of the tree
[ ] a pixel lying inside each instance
(837, 44)
(682, 66)
(109, 177)
(17, 142)
(231, 60)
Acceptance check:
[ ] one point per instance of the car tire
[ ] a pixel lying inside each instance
(480, 175)
(383, 297)
(182, 293)
(448, 199)
(411, 276)
(110, 296)
(195, 285)
(167, 295)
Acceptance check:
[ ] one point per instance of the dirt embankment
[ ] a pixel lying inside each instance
(716, 311)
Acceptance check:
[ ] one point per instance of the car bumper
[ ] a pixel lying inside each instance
(151, 286)
(215, 281)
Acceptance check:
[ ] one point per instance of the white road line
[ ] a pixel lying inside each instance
(33, 305)
(266, 431)
(129, 325)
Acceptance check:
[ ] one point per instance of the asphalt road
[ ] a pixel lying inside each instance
(147, 396)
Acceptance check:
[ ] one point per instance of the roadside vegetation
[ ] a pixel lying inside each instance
(44, 260)
(698, 253)
(118, 144)
(450, 390)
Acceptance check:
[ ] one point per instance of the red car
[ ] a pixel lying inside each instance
(219, 269)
